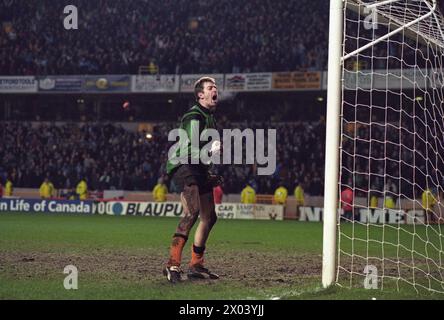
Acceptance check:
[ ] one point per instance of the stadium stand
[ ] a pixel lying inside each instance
(176, 37)
(195, 37)
(112, 157)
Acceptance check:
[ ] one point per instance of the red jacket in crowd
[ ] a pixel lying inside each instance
(347, 199)
(218, 193)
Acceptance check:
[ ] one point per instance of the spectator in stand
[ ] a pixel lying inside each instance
(9, 188)
(82, 189)
(373, 200)
(347, 200)
(248, 195)
(46, 189)
(299, 196)
(389, 202)
(428, 203)
(280, 195)
(153, 68)
(1, 190)
(218, 194)
(104, 181)
(160, 191)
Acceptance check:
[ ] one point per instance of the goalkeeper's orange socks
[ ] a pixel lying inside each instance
(197, 254)
(176, 250)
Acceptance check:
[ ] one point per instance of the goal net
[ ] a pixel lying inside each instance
(391, 146)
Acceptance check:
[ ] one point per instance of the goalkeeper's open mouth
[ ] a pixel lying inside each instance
(214, 97)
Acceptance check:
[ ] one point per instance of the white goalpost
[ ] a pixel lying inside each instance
(385, 146)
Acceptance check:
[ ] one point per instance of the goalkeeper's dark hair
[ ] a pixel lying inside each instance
(199, 85)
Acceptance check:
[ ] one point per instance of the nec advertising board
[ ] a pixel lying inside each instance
(48, 206)
(388, 216)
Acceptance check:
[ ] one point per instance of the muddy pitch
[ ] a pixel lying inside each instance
(253, 269)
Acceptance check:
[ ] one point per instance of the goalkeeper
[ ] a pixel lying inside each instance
(196, 186)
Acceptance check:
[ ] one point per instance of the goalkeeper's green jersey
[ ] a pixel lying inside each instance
(194, 122)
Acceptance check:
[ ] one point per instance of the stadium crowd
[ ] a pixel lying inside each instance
(395, 159)
(181, 36)
(111, 157)
(191, 36)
